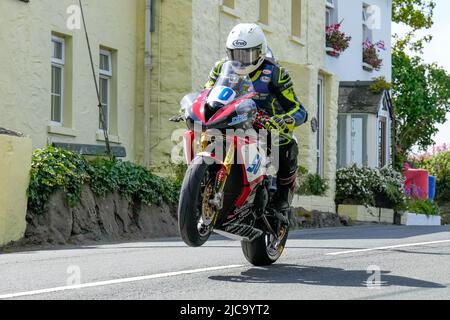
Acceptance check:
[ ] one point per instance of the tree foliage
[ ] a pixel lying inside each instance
(421, 94)
(417, 15)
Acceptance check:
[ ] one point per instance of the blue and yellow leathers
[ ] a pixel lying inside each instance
(277, 99)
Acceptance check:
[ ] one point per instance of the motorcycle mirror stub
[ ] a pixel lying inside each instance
(188, 100)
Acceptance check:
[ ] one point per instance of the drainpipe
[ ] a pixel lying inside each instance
(147, 82)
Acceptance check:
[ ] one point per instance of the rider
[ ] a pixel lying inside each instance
(247, 44)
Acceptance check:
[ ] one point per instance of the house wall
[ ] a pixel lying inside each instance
(303, 56)
(15, 163)
(25, 69)
(349, 65)
(171, 74)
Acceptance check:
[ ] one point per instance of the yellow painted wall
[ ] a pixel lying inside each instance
(15, 164)
(171, 74)
(25, 68)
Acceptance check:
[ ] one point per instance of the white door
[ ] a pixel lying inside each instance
(320, 132)
(357, 141)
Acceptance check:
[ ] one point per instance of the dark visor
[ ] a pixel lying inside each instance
(246, 57)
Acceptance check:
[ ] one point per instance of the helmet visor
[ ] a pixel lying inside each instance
(246, 57)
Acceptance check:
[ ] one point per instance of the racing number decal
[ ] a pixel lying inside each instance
(226, 94)
(254, 168)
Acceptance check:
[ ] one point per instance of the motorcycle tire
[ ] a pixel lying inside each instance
(257, 251)
(188, 208)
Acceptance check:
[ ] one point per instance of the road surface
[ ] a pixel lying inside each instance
(367, 262)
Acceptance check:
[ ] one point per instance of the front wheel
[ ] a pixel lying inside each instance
(195, 216)
(266, 249)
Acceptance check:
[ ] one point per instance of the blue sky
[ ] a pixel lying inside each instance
(438, 51)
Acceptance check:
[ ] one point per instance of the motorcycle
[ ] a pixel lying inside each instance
(229, 195)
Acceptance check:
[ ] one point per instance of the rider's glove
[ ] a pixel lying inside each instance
(285, 124)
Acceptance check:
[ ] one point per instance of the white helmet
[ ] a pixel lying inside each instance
(247, 45)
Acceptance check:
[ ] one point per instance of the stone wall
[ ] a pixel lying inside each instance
(110, 218)
(445, 212)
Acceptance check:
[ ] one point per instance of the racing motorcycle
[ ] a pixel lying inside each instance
(231, 194)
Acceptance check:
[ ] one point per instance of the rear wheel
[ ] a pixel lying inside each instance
(266, 249)
(195, 215)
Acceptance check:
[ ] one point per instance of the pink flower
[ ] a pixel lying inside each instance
(381, 45)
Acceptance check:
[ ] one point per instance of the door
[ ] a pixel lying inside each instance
(320, 133)
(357, 141)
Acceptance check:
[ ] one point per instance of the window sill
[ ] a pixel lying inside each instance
(230, 11)
(332, 53)
(266, 27)
(297, 40)
(367, 67)
(68, 132)
(112, 138)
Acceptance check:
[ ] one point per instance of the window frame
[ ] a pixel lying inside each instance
(60, 64)
(265, 20)
(106, 75)
(62, 41)
(330, 4)
(229, 4)
(365, 28)
(297, 33)
(383, 141)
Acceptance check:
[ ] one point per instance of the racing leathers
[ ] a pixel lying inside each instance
(277, 100)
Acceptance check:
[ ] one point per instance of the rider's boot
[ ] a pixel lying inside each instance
(281, 203)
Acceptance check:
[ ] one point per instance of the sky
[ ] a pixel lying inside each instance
(438, 51)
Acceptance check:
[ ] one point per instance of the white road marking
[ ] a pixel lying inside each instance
(387, 248)
(116, 281)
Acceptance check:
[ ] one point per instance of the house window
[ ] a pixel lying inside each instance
(367, 30)
(330, 13)
(264, 11)
(106, 74)
(296, 18)
(228, 3)
(382, 142)
(320, 133)
(57, 86)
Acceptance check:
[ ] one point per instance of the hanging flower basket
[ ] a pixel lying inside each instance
(336, 41)
(371, 58)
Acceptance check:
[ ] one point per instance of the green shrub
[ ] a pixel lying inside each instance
(379, 85)
(370, 187)
(423, 207)
(439, 166)
(54, 168)
(311, 184)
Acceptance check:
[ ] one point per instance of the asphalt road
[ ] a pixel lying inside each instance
(370, 262)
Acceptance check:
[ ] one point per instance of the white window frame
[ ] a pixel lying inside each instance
(109, 55)
(59, 63)
(328, 16)
(63, 45)
(106, 75)
(330, 12)
(364, 23)
(329, 4)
